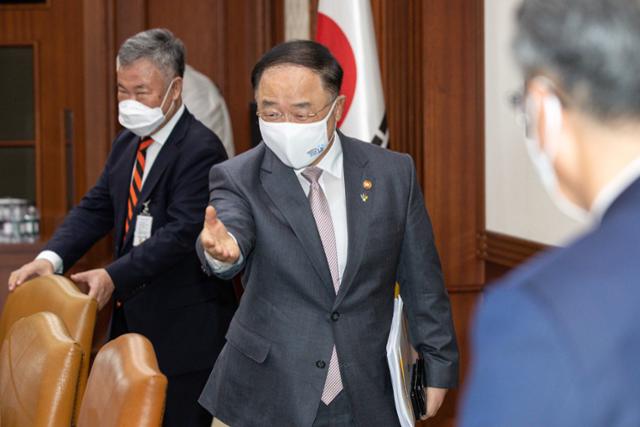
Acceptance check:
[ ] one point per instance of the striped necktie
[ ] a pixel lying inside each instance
(322, 215)
(136, 181)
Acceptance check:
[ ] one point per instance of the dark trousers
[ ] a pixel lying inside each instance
(181, 405)
(337, 414)
(182, 408)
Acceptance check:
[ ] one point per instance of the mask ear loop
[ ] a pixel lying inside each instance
(165, 96)
(553, 125)
(326, 119)
(333, 105)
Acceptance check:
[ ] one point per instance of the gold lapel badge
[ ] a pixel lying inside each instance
(364, 197)
(367, 184)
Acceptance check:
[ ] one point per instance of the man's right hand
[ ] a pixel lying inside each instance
(216, 240)
(35, 268)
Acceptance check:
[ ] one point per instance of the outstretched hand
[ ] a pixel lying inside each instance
(216, 240)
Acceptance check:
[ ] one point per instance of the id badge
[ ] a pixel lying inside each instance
(144, 223)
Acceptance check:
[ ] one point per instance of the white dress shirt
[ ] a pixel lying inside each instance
(332, 183)
(159, 138)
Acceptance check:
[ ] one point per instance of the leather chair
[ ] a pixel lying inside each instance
(125, 386)
(60, 296)
(39, 367)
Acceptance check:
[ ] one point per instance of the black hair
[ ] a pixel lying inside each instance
(305, 53)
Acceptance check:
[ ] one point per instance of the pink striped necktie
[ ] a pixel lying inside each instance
(322, 216)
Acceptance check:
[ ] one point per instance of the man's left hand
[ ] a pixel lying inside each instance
(434, 397)
(99, 282)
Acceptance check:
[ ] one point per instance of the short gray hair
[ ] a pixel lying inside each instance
(158, 45)
(591, 48)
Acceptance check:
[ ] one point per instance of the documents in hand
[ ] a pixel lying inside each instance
(401, 357)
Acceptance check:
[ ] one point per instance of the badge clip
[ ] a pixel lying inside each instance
(145, 208)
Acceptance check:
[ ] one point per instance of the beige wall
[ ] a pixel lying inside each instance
(516, 202)
(296, 19)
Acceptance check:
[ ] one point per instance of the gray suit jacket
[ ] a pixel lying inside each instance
(274, 365)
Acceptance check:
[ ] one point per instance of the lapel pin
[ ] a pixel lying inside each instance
(367, 184)
(364, 197)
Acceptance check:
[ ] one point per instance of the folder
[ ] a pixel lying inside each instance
(401, 357)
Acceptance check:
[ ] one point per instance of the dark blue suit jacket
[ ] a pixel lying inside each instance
(558, 342)
(165, 294)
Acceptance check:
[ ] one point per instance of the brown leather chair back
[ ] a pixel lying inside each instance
(60, 296)
(39, 367)
(125, 387)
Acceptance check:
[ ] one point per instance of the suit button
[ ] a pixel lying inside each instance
(118, 303)
(335, 316)
(320, 364)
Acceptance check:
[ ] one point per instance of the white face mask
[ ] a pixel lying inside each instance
(141, 119)
(297, 145)
(544, 158)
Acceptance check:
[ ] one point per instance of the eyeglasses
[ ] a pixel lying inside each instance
(273, 115)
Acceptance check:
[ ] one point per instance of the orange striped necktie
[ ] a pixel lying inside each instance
(136, 181)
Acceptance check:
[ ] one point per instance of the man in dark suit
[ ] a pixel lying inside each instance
(557, 343)
(323, 225)
(152, 194)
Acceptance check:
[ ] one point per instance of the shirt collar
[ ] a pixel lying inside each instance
(161, 136)
(615, 188)
(331, 163)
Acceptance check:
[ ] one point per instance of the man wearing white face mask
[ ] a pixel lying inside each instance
(152, 195)
(323, 225)
(557, 343)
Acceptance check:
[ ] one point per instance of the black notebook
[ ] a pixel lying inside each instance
(417, 389)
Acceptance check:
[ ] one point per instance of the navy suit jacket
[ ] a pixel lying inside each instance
(557, 343)
(165, 294)
(273, 369)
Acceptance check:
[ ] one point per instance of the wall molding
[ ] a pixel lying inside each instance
(505, 250)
